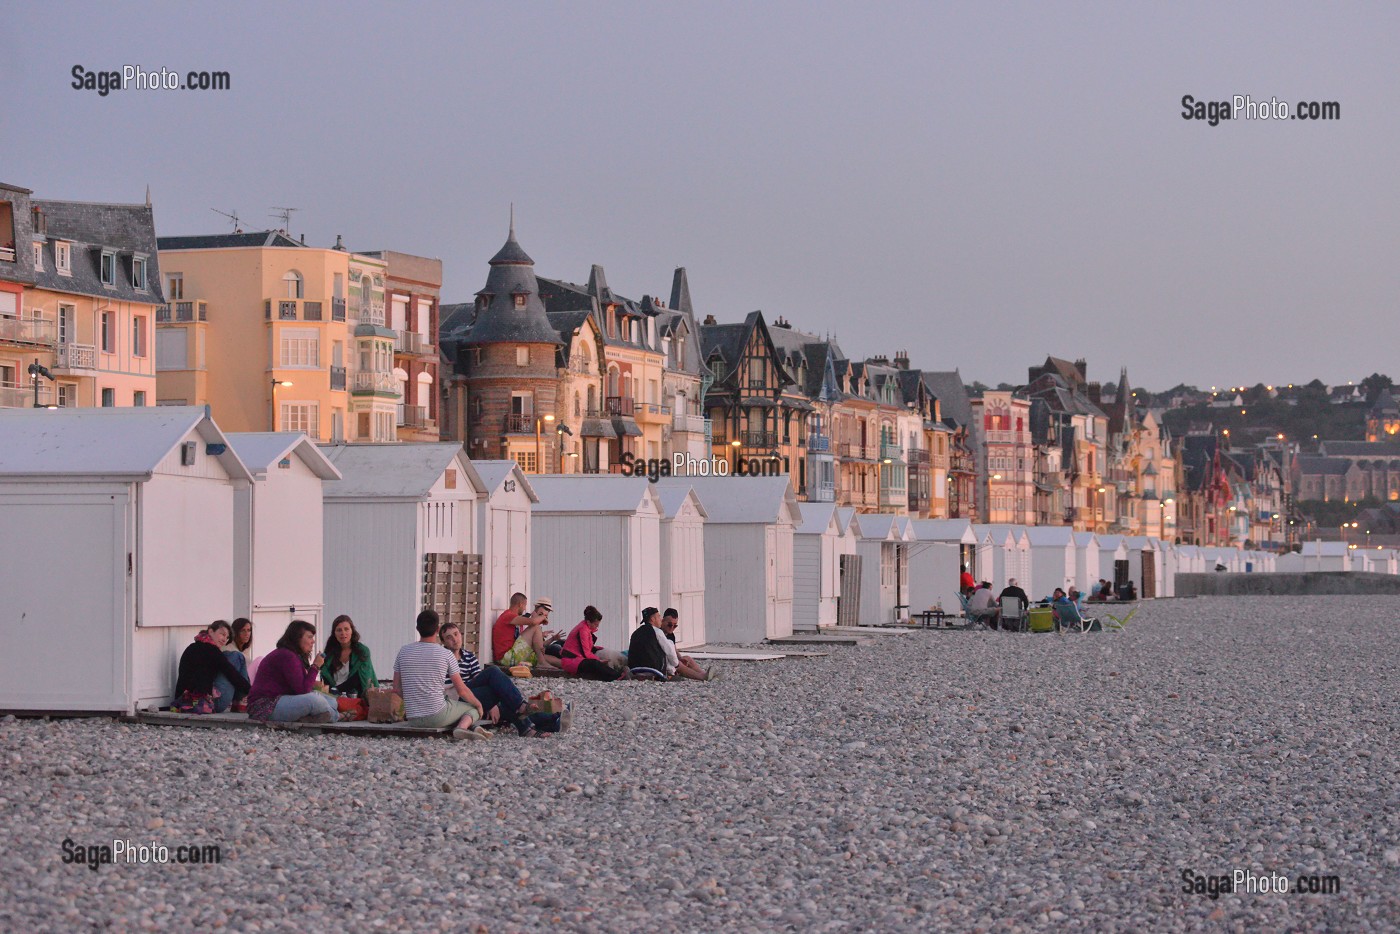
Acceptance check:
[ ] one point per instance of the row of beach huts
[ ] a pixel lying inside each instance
(128, 530)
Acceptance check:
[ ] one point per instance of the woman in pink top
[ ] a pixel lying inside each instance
(578, 657)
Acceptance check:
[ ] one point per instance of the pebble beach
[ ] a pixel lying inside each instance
(930, 780)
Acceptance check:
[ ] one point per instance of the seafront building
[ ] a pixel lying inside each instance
(80, 292)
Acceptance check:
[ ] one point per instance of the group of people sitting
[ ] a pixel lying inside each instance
(1105, 591)
(440, 681)
(520, 638)
(985, 609)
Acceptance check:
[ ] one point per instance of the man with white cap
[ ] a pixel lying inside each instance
(531, 638)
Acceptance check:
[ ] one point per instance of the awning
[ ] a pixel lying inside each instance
(626, 427)
(597, 428)
(757, 402)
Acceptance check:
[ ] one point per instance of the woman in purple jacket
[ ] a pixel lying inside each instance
(285, 686)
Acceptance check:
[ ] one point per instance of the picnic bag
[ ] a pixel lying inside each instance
(352, 708)
(189, 702)
(384, 706)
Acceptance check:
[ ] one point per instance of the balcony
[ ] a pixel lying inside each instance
(689, 423)
(652, 413)
(7, 253)
(37, 332)
(311, 311)
(22, 397)
(337, 309)
(183, 312)
(521, 424)
(916, 456)
(286, 311)
(619, 405)
(821, 492)
(412, 416)
(818, 444)
(372, 314)
(376, 383)
(337, 379)
(890, 451)
(759, 439)
(411, 342)
(75, 357)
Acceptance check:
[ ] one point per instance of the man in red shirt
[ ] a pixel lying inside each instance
(503, 632)
(518, 638)
(967, 583)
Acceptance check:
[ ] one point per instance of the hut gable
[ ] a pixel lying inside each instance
(397, 471)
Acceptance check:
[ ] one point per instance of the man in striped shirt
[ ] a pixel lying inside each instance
(492, 686)
(419, 671)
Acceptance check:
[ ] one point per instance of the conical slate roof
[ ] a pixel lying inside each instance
(512, 274)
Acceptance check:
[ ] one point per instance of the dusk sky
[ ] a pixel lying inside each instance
(979, 185)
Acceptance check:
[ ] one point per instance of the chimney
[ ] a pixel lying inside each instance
(41, 223)
(1082, 366)
(881, 360)
(303, 239)
(1091, 389)
(901, 359)
(709, 319)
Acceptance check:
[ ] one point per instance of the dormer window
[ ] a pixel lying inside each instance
(108, 268)
(63, 257)
(519, 299)
(138, 273)
(38, 256)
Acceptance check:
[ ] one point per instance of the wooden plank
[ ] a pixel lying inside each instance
(819, 639)
(242, 721)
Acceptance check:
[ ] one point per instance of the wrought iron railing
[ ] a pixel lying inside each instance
(338, 378)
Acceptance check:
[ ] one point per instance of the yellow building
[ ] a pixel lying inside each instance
(274, 335)
(79, 293)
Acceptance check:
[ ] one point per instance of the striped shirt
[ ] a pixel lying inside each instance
(467, 666)
(422, 668)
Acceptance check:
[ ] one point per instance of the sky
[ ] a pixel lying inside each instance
(977, 184)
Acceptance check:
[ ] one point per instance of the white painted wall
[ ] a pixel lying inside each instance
(373, 573)
(682, 572)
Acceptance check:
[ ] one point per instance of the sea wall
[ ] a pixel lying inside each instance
(1304, 583)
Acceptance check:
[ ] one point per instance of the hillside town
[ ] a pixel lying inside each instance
(98, 308)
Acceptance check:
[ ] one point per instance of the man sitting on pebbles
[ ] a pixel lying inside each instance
(419, 672)
(519, 638)
(685, 665)
(493, 688)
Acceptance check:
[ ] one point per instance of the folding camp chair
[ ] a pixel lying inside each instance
(1013, 614)
(973, 619)
(1071, 619)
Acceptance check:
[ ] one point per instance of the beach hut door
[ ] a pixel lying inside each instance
(1149, 575)
(848, 603)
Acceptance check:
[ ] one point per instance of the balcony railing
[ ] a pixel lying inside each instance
(338, 378)
(619, 405)
(691, 423)
(39, 331)
(818, 444)
(759, 439)
(411, 342)
(337, 309)
(376, 382)
(7, 253)
(412, 416)
(891, 452)
(916, 456)
(286, 311)
(182, 312)
(311, 311)
(521, 424)
(75, 357)
(579, 365)
(22, 397)
(373, 313)
(821, 492)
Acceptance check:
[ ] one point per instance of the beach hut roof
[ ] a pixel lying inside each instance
(1060, 535)
(595, 493)
(495, 473)
(818, 518)
(261, 450)
(123, 443)
(673, 498)
(944, 530)
(404, 470)
(743, 499)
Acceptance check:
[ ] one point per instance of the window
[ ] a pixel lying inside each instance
(108, 268)
(138, 273)
(171, 349)
(108, 337)
(338, 285)
(301, 347)
(138, 399)
(292, 284)
(65, 323)
(38, 256)
(63, 257)
(175, 286)
(109, 398)
(519, 300)
(299, 416)
(522, 356)
(67, 395)
(526, 460)
(138, 336)
(522, 403)
(7, 376)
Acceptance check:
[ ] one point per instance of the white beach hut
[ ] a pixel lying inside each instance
(847, 567)
(1190, 559)
(1145, 566)
(1052, 559)
(936, 556)
(401, 535)
(278, 529)
(683, 561)
(1087, 571)
(816, 567)
(1326, 556)
(121, 525)
(1170, 563)
(884, 568)
(996, 554)
(1113, 549)
(597, 541)
(503, 529)
(748, 555)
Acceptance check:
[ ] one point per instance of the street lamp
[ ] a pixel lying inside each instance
(734, 456)
(36, 372)
(275, 384)
(561, 431)
(539, 447)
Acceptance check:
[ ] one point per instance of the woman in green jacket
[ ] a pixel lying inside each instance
(348, 669)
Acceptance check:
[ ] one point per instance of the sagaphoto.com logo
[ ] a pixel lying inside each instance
(134, 77)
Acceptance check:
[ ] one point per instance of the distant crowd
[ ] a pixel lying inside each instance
(438, 682)
(1007, 609)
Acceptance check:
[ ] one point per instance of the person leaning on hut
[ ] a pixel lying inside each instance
(579, 658)
(284, 689)
(420, 670)
(685, 665)
(208, 680)
(348, 669)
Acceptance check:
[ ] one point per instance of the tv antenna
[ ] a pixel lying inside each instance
(232, 216)
(286, 215)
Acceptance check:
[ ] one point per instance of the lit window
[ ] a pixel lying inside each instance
(519, 301)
